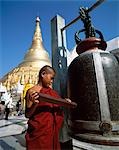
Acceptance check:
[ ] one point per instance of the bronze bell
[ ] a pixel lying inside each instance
(94, 86)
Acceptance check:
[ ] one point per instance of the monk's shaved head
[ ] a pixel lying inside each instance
(46, 69)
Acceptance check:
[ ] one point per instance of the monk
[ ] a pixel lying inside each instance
(45, 119)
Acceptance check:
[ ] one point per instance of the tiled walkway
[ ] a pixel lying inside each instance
(15, 125)
(12, 133)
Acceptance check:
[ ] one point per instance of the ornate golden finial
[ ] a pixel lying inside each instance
(36, 56)
(22, 81)
(30, 79)
(8, 82)
(37, 19)
(37, 38)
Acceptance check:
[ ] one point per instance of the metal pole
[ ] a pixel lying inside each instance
(90, 9)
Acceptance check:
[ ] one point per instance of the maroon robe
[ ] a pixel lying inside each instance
(44, 126)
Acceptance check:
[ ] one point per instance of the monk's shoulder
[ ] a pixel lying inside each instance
(31, 89)
(34, 88)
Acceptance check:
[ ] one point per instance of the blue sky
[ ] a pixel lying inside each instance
(17, 24)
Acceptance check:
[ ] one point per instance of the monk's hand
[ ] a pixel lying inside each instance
(34, 96)
(68, 100)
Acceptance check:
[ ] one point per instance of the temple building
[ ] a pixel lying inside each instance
(27, 71)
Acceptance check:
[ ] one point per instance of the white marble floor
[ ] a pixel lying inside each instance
(15, 125)
(12, 133)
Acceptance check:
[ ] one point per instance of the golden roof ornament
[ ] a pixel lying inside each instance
(36, 56)
(8, 82)
(22, 81)
(37, 38)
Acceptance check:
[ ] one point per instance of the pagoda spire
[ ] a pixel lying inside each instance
(36, 56)
(37, 41)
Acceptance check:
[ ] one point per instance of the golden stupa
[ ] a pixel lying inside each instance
(35, 58)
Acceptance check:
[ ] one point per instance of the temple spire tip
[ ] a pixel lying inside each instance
(37, 19)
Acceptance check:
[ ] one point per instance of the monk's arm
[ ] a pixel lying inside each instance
(31, 104)
(30, 111)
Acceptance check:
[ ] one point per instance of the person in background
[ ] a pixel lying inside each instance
(45, 119)
(9, 107)
(2, 109)
(7, 111)
(19, 108)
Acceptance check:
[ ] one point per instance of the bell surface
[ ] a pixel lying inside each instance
(94, 86)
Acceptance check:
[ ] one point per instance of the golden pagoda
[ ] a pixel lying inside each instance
(35, 58)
